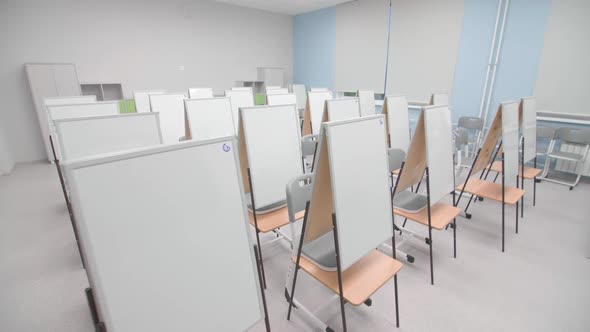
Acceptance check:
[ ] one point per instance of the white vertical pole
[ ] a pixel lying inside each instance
(498, 49)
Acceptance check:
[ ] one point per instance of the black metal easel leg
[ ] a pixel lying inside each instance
(455, 238)
(396, 301)
(266, 319)
(339, 271)
(303, 228)
(92, 305)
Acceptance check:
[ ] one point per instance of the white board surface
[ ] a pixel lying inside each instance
(273, 144)
(153, 259)
(367, 102)
(200, 93)
(439, 99)
(316, 101)
(279, 91)
(282, 99)
(90, 136)
(142, 100)
(361, 190)
(343, 109)
(301, 94)
(57, 112)
(398, 122)
(69, 100)
(510, 141)
(439, 151)
(529, 128)
(171, 109)
(239, 99)
(319, 89)
(209, 118)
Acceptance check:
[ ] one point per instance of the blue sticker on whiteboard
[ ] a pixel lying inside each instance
(226, 147)
(381, 121)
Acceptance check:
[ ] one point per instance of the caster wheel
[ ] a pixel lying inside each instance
(538, 180)
(468, 215)
(410, 259)
(427, 240)
(480, 199)
(571, 188)
(329, 329)
(369, 302)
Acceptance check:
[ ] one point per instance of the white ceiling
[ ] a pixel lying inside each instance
(289, 7)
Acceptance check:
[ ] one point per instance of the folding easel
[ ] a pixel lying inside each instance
(271, 219)
(395, 109)
(528, 150)
(152, 263)
(430, 155)
(505, 124)
(314, 111)
(356, 269)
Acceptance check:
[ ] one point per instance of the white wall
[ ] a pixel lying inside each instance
(423, 50)
(361, 45)
(563, 80)
(141, 44)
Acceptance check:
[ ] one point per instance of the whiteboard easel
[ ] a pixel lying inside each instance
(395, 109)
(239, 98)
(171, 109)
(152, 265)
(341, 109)
(85, 137)
(314, 110)
(209, 118)
(142, 100)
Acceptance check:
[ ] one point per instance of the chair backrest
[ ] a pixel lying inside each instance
(461, 137)
(308, 145)
(470, 122)
(545, 132)
(298, 194)
(573, 135)
(396, 157)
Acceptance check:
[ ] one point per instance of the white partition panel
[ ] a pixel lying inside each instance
(343, 109)
(57, 112)
(142, 100)
(529, 128)
(85, 137)
(316, 100)
(200, 93)
(239, 99)
(283, 99)
(361, 190)
(510, 141)
(279, 91)
(149, 220)
(171, 109)
(398, 122)
(273, 144)
(209, 118)
(367, 102)
(439, 151)
(439, 99)
(69, 100)
(301, 94)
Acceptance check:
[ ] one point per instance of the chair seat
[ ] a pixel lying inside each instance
(492, 190)
(409, 201)
(273, 220)
(322, 252)
(565, 155)
(441, 214)
(529, 172)
(359, 281)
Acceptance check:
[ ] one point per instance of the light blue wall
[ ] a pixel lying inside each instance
(314, 45)
(524, 37)
(524, 34)
(472, 56)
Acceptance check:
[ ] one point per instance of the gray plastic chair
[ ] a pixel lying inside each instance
(461, 145)
(574, 137)
(321, 250)
(308, 147)
(396, 157)
(474, 128)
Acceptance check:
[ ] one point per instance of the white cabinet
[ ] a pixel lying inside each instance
(50, 80)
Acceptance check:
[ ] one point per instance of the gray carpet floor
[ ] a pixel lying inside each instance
(541, 282)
